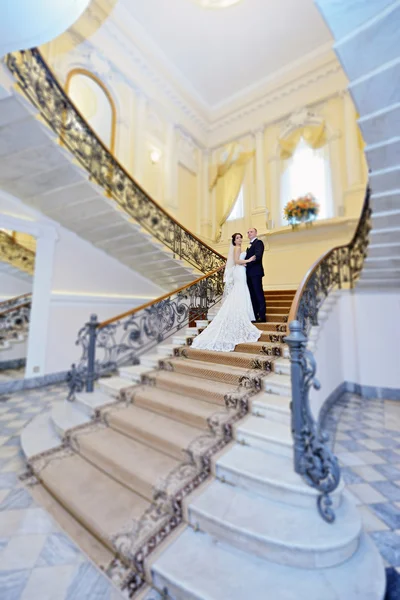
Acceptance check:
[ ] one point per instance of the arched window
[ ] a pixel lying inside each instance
(94, 101)
(307, 171)
(237, 211)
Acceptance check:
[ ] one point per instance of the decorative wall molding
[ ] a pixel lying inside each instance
(187, 152)
(137, 59)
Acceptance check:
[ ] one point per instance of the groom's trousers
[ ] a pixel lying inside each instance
(257, 296)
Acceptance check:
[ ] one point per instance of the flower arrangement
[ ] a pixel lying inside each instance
(303, 209)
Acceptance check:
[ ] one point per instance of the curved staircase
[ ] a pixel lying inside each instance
(198, 443)
(55, 164)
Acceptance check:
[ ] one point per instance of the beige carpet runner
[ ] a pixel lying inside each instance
(118, 484)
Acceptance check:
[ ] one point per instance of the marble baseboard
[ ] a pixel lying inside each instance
(17, 385)
(16, 363)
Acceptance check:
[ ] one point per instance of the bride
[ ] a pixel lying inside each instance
(232, 325)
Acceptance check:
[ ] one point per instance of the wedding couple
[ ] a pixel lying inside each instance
(243, 300)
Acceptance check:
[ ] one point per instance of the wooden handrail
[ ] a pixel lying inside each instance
(160, 299)
(15, 298)
(300, 290)
(120, 166)
(8, 310)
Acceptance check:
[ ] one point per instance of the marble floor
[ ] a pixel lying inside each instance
(365, 435)
(39, 562)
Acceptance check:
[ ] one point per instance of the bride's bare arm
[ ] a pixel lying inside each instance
(238, 260)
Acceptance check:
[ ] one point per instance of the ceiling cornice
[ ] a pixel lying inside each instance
(145, 66)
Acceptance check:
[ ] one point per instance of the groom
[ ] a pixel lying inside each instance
(255, 273)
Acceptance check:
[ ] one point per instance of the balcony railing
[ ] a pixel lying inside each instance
(39, 84)
(120, 341)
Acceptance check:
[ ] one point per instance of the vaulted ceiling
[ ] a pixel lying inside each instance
(224, 53)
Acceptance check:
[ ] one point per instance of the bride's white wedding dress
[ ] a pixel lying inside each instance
(232, 324)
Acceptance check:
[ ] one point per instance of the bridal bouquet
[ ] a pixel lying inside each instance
(303, 209)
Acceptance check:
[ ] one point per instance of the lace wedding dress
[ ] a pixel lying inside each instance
(232, 324)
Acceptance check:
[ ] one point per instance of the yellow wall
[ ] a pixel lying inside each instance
(289, 254)
(187, 198)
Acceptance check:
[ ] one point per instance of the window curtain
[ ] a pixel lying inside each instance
(313, 135)
(307, 170)
(228, 179)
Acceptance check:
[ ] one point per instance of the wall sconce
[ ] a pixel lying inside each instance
(155, 156)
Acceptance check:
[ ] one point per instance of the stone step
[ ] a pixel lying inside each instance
(263, 348)
(278, 384)
(165, 349)
(236, 359)
(39, 436)
(265, 435)
(271, 476)
(273, 407)
(132, 374)
(155, 430)
(101, 504)
(66, 416)
(114, 385)
(195, 387)
(196, 413)
(273, 309)
(137, 466)
(89, 403)
(274, 530)
(272, 336)
(282, 366)
(150, 360)
(181, 571)
(208, 371)
(276, 318)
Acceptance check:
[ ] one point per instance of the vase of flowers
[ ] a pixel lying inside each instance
(302, 210)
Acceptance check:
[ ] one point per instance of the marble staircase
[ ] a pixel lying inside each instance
(44, 175)
(249, 527)
(367, 42)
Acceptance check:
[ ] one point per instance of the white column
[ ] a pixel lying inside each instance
(261, 199)
(353, 158)
(40, 310)
(201, 198)
(171, 169)
(274, 215)
(140, 137)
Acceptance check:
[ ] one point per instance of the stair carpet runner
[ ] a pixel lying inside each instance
(126, 481)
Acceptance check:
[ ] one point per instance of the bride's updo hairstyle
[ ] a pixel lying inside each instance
(234, 238)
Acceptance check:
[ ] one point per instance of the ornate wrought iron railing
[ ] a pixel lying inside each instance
(339, 267)
(14, 321)
(15, 302)
(16, 254)
(38, 83)
(120, 341)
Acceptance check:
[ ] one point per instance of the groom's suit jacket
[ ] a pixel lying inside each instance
(255, 268)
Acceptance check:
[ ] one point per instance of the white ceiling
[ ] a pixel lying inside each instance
(221, 53)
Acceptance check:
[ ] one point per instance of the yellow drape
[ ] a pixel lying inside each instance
(228, 181)
(314, 136)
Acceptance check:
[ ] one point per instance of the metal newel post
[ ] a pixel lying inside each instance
(297, 342)
(92, 329)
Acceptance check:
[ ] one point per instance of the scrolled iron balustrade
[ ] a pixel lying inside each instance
(41, 87)
(121, 340)
(338, 268)
(14, 321)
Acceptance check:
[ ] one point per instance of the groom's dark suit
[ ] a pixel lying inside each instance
(254, 274)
